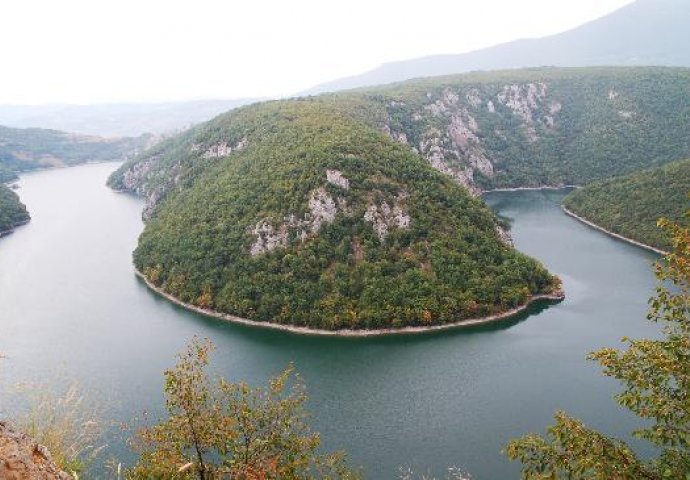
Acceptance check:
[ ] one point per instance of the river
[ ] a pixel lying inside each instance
(71, 308)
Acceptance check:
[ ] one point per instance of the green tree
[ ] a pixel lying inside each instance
(217, 429)
(656, 375)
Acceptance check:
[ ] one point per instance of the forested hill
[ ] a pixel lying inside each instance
(326, 211)
(12, 211)
(631, 205)
(502, 129)
(28, 149)
(297, 213)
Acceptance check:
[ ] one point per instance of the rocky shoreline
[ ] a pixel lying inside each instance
(22, 458)
(615, 235)
(556, 296)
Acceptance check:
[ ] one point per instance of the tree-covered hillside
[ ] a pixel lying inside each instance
(294, 212)
(503, 129)
(28, 149)
(543, 126)
(323, 211)
(631, 205)
(12, 211)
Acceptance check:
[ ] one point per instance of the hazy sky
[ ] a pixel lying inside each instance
(87, 51)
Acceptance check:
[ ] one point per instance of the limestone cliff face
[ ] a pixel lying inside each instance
(322, 209)
(454, 125)
(21, 458)
(153, 175)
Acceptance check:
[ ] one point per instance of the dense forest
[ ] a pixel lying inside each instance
(631, 205)
(12, 211)
(32, 148)
(550, 126)
(319, 220)
(517, 128)
(323, 211)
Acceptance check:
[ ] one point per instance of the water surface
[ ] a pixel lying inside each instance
(72, 308)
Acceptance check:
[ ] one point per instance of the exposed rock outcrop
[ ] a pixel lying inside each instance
(526, 101)
(451, 136)
(145, 176)
(385, 217)
(323, 209)
(504, 235)
(21, 458)
(335, 177)
(222, 149)
(432, 147)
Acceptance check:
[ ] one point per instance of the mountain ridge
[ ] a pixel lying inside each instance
(645, 32)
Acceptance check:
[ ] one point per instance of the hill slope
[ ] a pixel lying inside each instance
(317, 219)
(646, 32)
(12, 211)
(325, 211)
(28, 149)
(630, 206)
(501, 129)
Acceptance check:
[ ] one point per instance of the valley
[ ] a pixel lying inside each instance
(383, 399)
(347, 211)
(461, 251)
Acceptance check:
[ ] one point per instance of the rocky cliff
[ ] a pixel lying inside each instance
(23, 459)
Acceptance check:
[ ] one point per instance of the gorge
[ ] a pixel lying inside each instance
(428, 401)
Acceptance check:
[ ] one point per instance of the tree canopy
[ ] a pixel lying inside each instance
(631, 205)
(217, 429)
(12, 211)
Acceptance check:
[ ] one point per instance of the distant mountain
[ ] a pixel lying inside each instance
(117, 120)
(647, 32)
(32, 148)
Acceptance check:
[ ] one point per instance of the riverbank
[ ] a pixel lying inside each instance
(615, 235)
(470, 322)
(520, 189)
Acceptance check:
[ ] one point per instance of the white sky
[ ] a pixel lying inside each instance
(93, 51)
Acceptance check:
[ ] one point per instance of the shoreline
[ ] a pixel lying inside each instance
(470, 322)
(45, 168)
(520, 189)
(615, 235)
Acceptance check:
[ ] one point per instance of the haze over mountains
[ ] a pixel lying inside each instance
(646, 32)
(117, 120)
